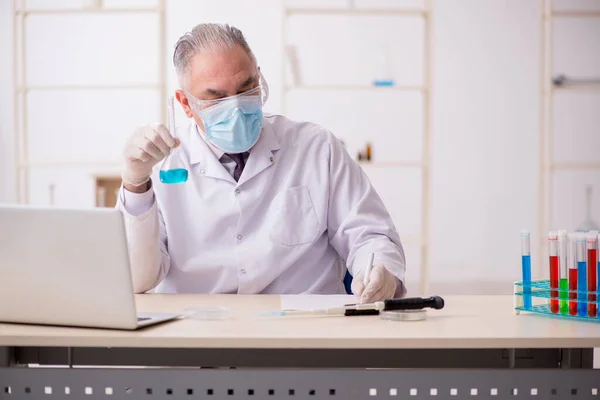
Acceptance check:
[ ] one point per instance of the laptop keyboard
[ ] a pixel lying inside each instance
(143, 319)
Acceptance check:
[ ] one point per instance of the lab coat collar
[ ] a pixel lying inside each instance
(207, 156)
(197, 144)
(261, 155)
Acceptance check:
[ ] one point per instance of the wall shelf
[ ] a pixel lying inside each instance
(399, 164)
(575, 13)
(96, 164)
(110, 86)
(386, 12)
(577, 88)
(396, 88)
(90, 10)
(574, 166)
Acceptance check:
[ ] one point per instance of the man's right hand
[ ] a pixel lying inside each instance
(145, 148)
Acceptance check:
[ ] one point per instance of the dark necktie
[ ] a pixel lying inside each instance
(239, 164)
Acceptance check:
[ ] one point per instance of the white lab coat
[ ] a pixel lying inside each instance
(301, 209)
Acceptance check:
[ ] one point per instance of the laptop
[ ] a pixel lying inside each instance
(67, 267)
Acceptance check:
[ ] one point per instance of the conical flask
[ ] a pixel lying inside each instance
(173, 169)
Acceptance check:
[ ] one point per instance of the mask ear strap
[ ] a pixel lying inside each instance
(262, 82)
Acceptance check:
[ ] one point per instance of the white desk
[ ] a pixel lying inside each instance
(471, 332)
(465, 322)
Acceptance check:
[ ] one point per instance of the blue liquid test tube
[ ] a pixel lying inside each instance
(582, 275)
(526, 268)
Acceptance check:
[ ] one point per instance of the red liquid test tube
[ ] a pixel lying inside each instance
(573, 276)
(554, 270)
(592, 261)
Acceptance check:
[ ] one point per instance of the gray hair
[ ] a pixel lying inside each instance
(209, 38)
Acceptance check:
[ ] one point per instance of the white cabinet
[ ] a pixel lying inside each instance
(88, 126)
(361, 70)
(391, 120)
(569, 198)
(98, 49)
(574, 53)
(400, 191)
(62, 187)
(576, 127)
(89, 72)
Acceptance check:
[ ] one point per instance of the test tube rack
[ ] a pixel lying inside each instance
(541, 296)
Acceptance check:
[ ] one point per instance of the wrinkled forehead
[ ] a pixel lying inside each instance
(221, 72)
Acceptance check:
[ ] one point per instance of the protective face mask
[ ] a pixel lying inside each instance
(233, 126)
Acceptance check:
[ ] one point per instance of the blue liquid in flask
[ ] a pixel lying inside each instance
(177, 175)
(173, 169)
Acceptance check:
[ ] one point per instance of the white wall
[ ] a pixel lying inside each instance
(485, 113)
(485, 159)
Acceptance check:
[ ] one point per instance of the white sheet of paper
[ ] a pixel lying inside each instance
(315, 301)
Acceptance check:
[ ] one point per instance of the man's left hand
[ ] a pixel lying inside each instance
(382, 285)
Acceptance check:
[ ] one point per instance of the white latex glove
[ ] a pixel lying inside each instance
(382, 285)
(145, 148)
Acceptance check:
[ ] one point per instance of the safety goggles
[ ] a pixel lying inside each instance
(258, 94)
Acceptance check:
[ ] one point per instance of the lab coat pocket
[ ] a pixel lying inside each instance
(294, 221)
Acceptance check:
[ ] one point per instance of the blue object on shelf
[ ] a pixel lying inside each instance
(383, 82)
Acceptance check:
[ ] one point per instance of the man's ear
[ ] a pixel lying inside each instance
(185, 104)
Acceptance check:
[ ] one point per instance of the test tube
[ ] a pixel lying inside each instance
(526, 267)
(564, 272)
(592, 264)
(171, 114)
(598, 269)
(572, 260)
(582, 274)
(554, 270)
